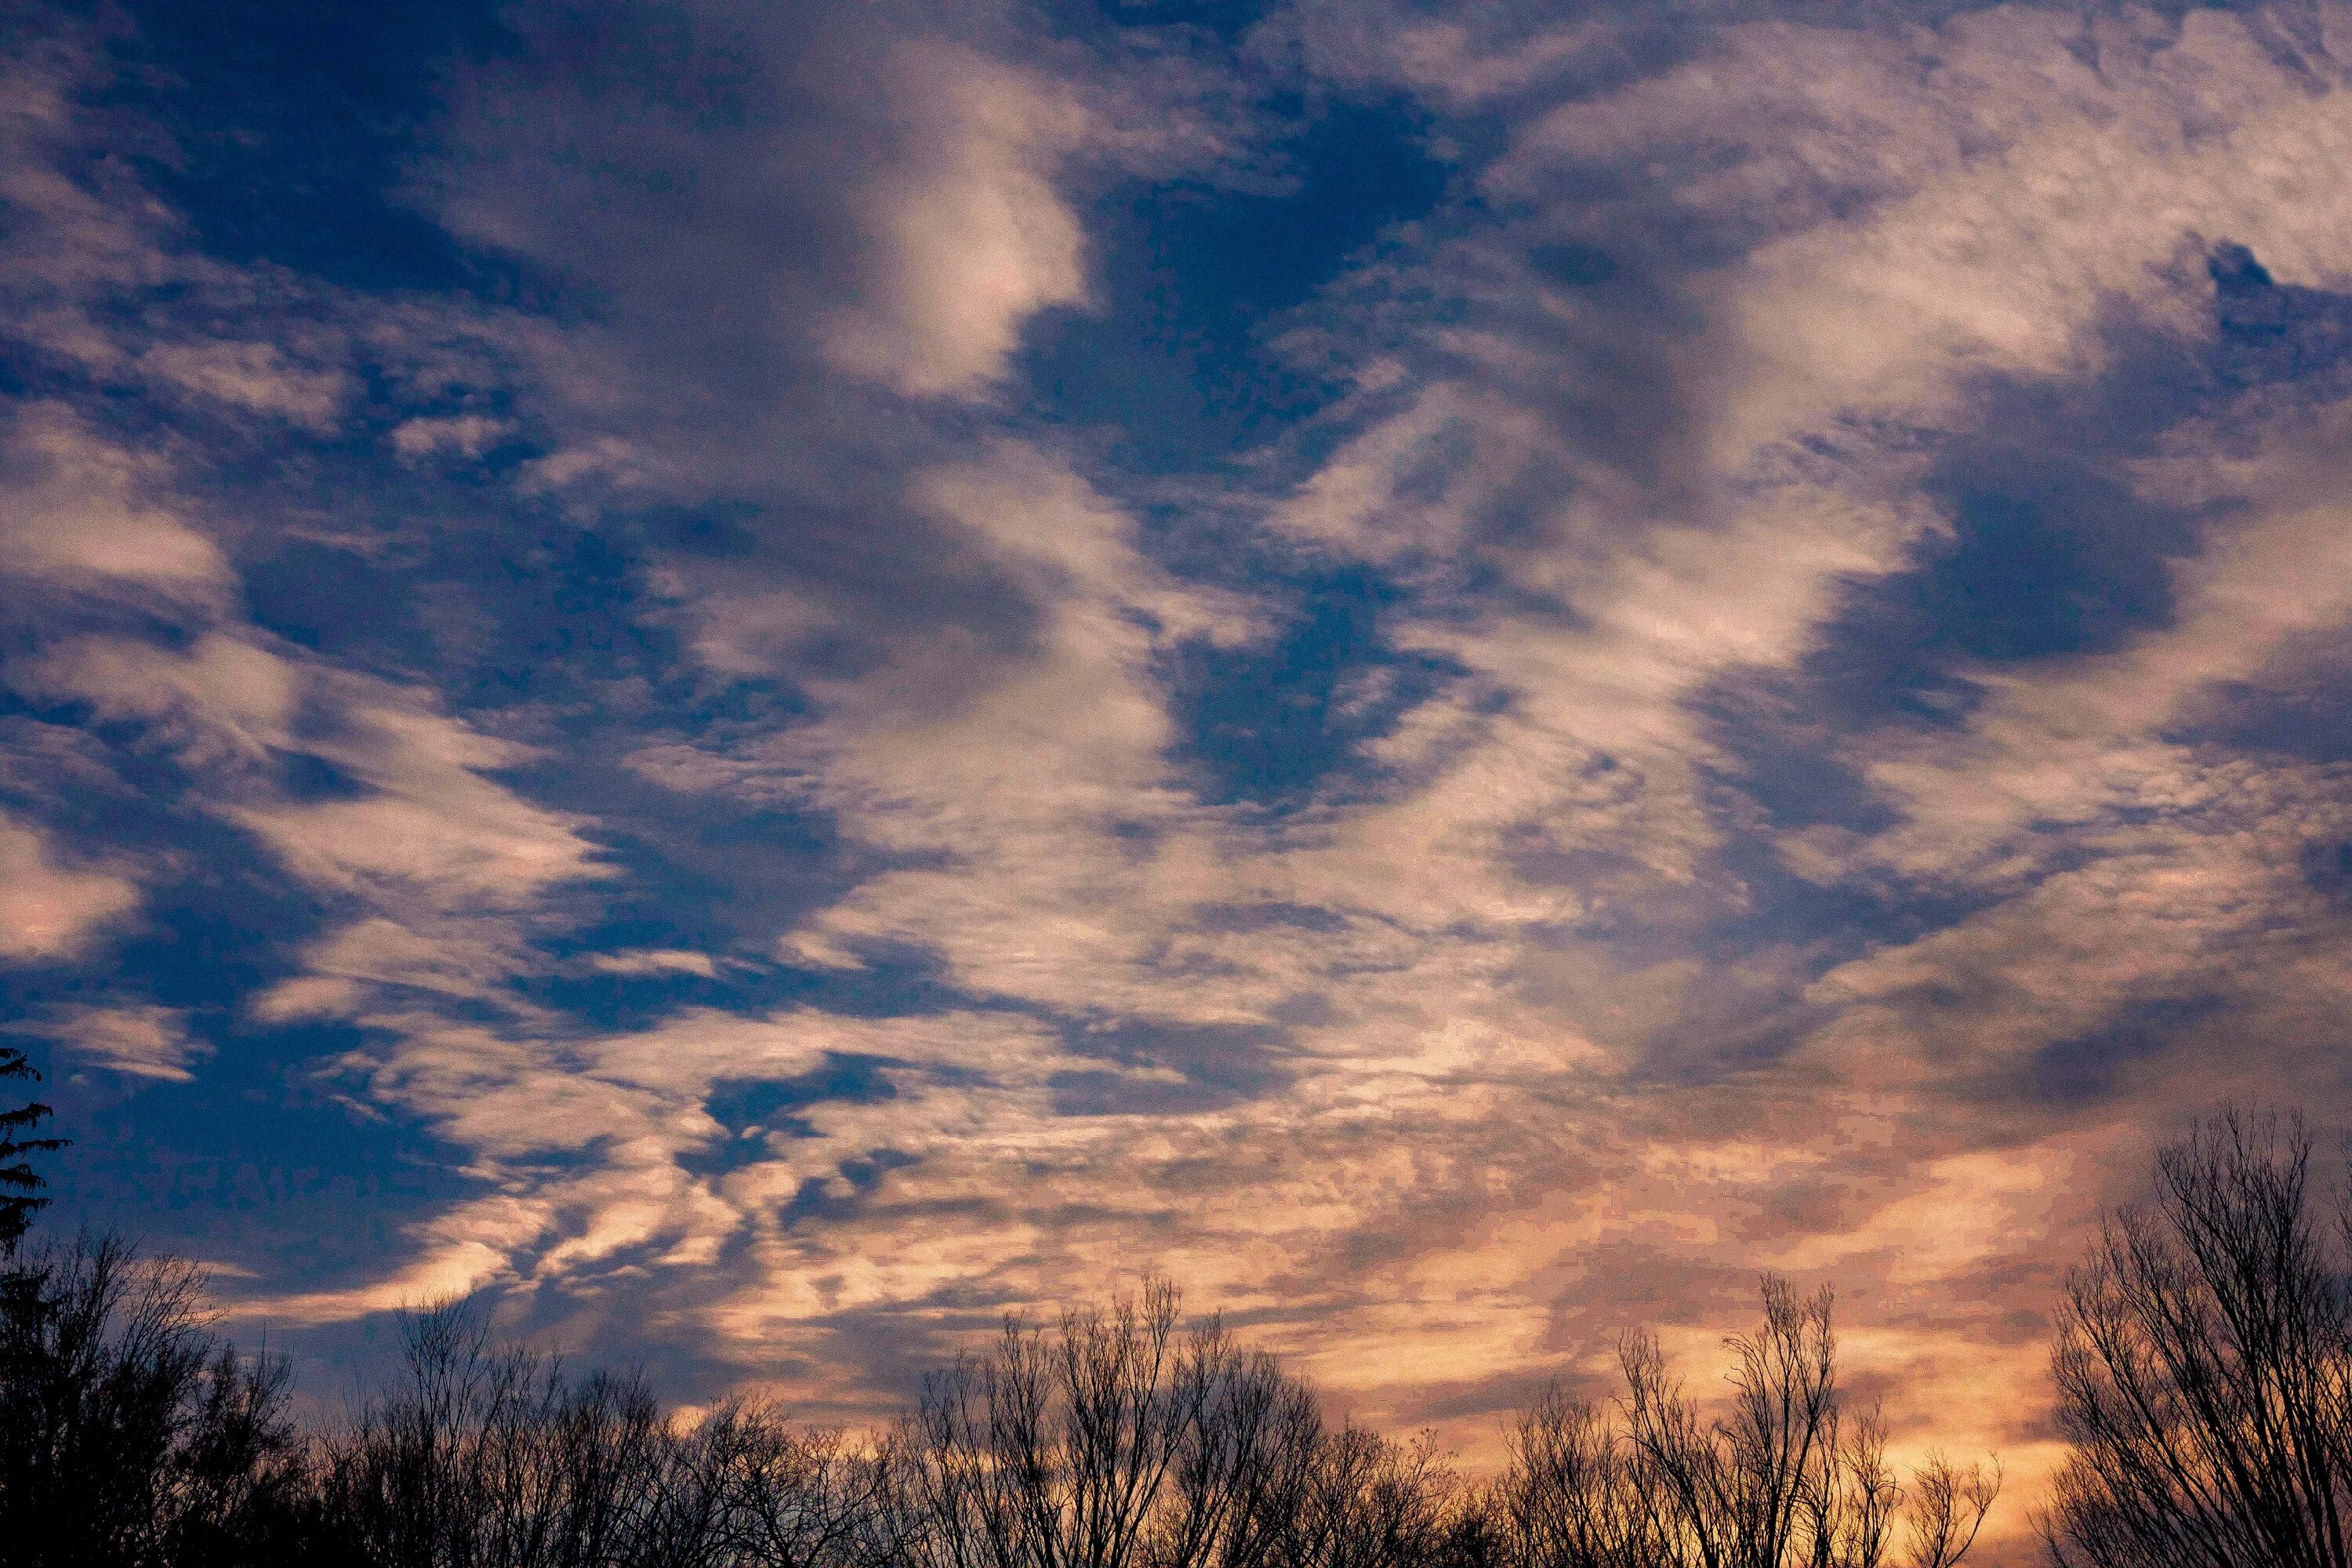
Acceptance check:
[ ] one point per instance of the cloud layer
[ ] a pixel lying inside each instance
(1765, 694)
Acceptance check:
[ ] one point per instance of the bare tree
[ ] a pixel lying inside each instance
(1575, 1494)
(131, 1435)
(2204, 1366)
(487, 1455)
(786, 1497)
(1246, 1465)
(1948, 1507)
(1369, 1502)
(1120, 1441)
(493, 1457)
(1782, 1479)
(131, 1438)
(1055, 1451)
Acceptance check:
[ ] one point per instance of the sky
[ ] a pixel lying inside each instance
(767, 680)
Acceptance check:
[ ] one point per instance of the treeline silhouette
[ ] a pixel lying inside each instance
(2203, 1369)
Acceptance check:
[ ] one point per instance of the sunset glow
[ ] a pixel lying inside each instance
(769, 679)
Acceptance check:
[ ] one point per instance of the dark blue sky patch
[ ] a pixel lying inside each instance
(1194, 279)
(2048, 557)
(1573, 263)
(1727, 1028)
(2092, 1066)
(818, 1200)
(1624, 328)
(1227, 19)
(549, 613)
(702, 872)
(2051, 552)
(548, 637)
(326, 597)
(118, 777)
(723, 905)
(1274, 725)
(2269, 332)
(297, 124)
(1233, 918)
(630, 1001)
(1786, 762)
(511, 604)
(255, 1163)
(1218, 1066)
(1831, 920)
(1613, 879)
(2326, 867)
(223, 930)
(2298, 710)
(742, 1105)
(309, 778)
(216, 923)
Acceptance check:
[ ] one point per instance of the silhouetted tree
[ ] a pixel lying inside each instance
(773, 1494)
(484, 1456)
(1119, 1440)
(491, 1457)
(1784, 1479)
(1059, 1450)
(1372, 1502)
(20, 1185)
(1574, 1495)
(130, 1436)
(2204, 1366)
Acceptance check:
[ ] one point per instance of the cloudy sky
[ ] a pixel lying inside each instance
(769, 678)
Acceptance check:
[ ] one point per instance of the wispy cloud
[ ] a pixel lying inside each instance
(50, 910)
(136, 1041)
(756, 762)
(969, 236)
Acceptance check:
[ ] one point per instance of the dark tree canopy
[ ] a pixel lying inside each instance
(20, 1185)
(130, 1437)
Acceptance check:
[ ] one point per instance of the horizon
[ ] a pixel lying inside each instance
(761, 683)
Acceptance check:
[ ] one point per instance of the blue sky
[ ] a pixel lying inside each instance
(770, 679)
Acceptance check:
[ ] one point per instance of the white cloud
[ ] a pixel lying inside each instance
(260, 377)
(971, 238)
(135, 1040)
(1066, 869)
(1411, 1065)
(80, 513)
(466, 435)
(656, 960)
(49, 909)
(2102, 199)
